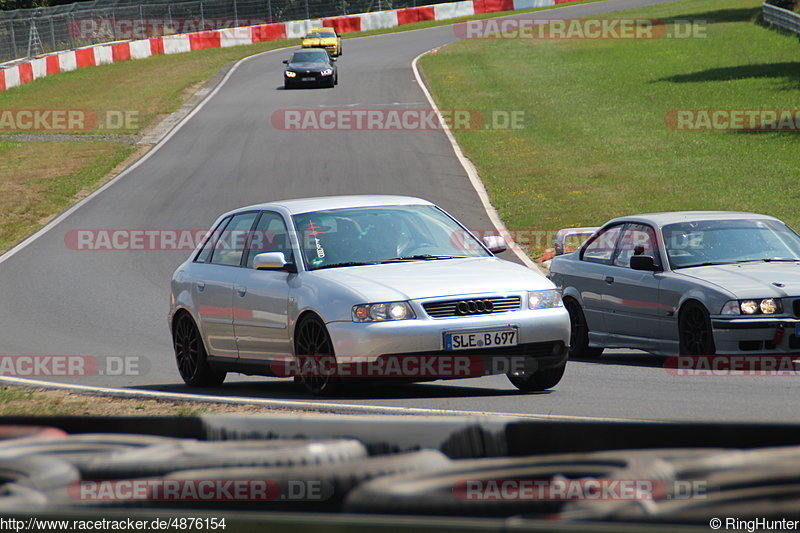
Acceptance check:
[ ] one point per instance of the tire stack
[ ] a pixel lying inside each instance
(46, 469)
(762, 483)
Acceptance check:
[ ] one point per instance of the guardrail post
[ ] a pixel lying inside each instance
(71, 29)
(13, 38)
(52, 34)
(141, 17)
(113, 20)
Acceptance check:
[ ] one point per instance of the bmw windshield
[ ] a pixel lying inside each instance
(372, 235)
(719, 242)
(310, 57)
(321, 35)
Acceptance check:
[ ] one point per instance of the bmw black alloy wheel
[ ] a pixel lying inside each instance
(696, 337)
(579, 333)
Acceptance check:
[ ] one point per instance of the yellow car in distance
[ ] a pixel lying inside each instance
(326, 38)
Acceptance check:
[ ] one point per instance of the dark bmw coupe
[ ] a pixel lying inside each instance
(311, 67)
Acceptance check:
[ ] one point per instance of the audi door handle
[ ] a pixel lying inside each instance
(609, 280)
(201, 286)
(240, 290)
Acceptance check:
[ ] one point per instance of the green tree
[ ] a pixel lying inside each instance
(7, 5)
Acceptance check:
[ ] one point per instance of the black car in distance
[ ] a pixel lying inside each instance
(310, 67)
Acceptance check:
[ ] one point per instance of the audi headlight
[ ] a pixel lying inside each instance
(382, 311)
(327, 72)
(290, 74)
(544, 299)
(764, 306)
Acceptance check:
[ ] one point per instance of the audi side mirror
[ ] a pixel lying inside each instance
(273, 261)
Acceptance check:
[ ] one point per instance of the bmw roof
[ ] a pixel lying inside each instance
(662, 219)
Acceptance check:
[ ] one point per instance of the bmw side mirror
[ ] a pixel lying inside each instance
(643, 262)
(273, 261)
(285, 61)
(495, 243)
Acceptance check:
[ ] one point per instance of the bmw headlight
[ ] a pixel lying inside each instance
(327, 72)
(764, 306)
(290, 74)
(382, 311)
(544, 299)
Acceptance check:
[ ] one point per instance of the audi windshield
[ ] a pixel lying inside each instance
(347, 237)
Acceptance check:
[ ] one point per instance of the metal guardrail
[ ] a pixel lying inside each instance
(30, 32)
(781, 18)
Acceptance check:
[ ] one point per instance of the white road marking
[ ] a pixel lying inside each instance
(301, 404)
(472, 173)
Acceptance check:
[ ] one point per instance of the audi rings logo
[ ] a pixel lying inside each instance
(474, 307)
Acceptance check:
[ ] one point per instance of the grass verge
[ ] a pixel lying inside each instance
(28, 401)
(39, 179)
(594, 143)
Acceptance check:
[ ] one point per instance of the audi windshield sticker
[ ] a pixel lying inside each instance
(320, 250)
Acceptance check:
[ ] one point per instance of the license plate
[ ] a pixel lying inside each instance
(308, 79)
(470, 340)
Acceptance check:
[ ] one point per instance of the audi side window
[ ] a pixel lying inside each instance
(270, 235)
(230, 244)
(602, 247)
(211, 240)
(637, 239)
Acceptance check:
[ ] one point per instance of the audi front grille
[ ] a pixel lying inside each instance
(472, 307)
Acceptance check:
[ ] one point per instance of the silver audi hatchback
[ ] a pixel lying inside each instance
(337, 290)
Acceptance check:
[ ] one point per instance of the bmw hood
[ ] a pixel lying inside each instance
(435, 278)
(751, 280)
(313, 67)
